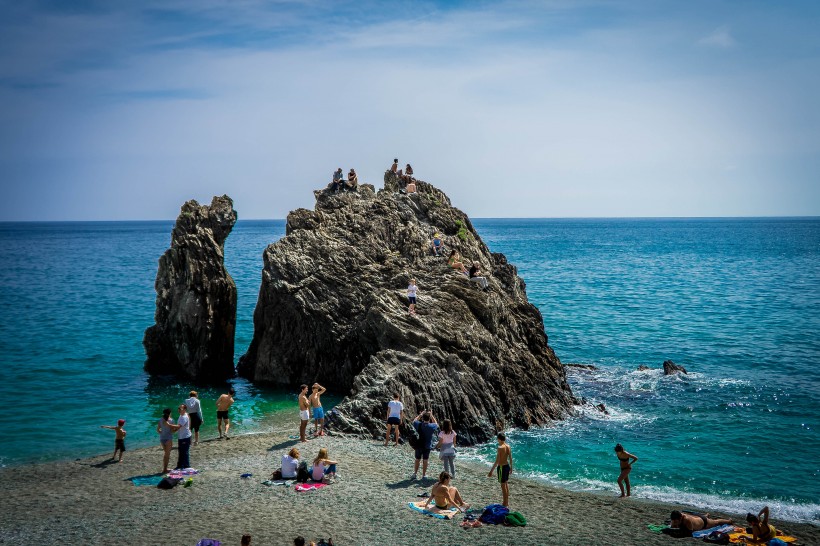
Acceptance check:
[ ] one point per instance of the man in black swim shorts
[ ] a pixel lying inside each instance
(222, 406)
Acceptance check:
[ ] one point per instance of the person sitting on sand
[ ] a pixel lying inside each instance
(119, 438)
(476, 276)
(323, 470)
(688, 523)
(352, 181)
(290, 464)
(446, 496)
(626, 468)
(454, 261)
(762, 530)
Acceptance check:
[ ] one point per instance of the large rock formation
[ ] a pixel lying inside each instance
(333, 308)
(196, 298)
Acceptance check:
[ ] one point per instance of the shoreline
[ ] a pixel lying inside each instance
(89, 501)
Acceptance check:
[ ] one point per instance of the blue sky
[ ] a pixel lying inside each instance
(124, 110)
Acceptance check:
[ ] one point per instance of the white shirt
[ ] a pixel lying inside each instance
(185, 423)
(395, 408)
(289, 466)
(193, 405)
(411, 290)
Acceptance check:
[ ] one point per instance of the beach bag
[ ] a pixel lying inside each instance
(277, 474)
(168, 483)
(208, 542)
(302, 474)
(716, 537)
(494, 514)
(515, 519)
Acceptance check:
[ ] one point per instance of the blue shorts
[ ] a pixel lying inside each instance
(412, 299)
(318, 413)
(393, 421)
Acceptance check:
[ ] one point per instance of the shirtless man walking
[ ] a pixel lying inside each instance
(318, 411)
(304, 412)
(503, 465)
(223, 404)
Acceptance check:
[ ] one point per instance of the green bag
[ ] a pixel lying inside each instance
(515, 519)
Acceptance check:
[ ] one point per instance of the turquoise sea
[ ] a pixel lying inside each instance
(735, 301)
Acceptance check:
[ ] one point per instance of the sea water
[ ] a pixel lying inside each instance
(735, 301)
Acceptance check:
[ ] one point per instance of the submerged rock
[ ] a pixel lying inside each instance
(670, 368)
(196, 298)
(333, 308)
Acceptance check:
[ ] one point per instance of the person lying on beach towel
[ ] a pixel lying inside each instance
(762, 530)
(687, 523)
(446, 497)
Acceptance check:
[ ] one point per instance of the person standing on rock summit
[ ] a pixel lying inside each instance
(304, 412)
(223, 404)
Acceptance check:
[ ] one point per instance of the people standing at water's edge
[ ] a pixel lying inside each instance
(395, 410)
(447, 447)
(323, 469)
(166, 437)
(688, 523)
(503, 466)
(318, 411)
(183, 430)
(194, 413)
(427, 427)
(412, 290)
(304, 412)
(626, 467)
(223, 404)
(445, 495)
(119, 438)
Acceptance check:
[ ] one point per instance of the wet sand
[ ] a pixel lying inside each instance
(91, 501)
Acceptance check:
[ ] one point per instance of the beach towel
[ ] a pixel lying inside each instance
(208, 542)
(180, 473)
(309, 486)
(728, 528)
(432, 511)
(145, 480)
(278, 482)
(656, 528)
(736, 538)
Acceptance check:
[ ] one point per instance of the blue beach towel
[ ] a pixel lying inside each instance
(146, 480)
(720, 529)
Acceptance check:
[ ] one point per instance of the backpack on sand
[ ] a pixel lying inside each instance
(302, 474)
(515, 519)
(494, 514)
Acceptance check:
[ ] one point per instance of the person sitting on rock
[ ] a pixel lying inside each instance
(323, 470)
(410, 187)
(475, 276)
(408, 174)
(454, 261)
(437, 244)
(445, 495)
(352, 181)
(338, 180)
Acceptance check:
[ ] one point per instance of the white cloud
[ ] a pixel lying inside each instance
(721, 37)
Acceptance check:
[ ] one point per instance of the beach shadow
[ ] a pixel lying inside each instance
(405, 484)
(104, 464)
(284, 445)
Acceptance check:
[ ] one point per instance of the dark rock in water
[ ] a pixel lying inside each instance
(643, 367)
(670, 368)
(196, 298)
(581, 366)
(333, 308)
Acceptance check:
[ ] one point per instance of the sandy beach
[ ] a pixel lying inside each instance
(91, 501)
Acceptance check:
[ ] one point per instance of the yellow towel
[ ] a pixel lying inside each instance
(737, 537)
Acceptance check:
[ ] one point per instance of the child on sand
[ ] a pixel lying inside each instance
(412, 290)
(323, 470)
(626, 467)
(119, 439)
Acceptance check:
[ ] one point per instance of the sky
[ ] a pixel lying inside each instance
(113, 110)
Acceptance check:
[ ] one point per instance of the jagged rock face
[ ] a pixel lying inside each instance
(196, 298)
(333, 308)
